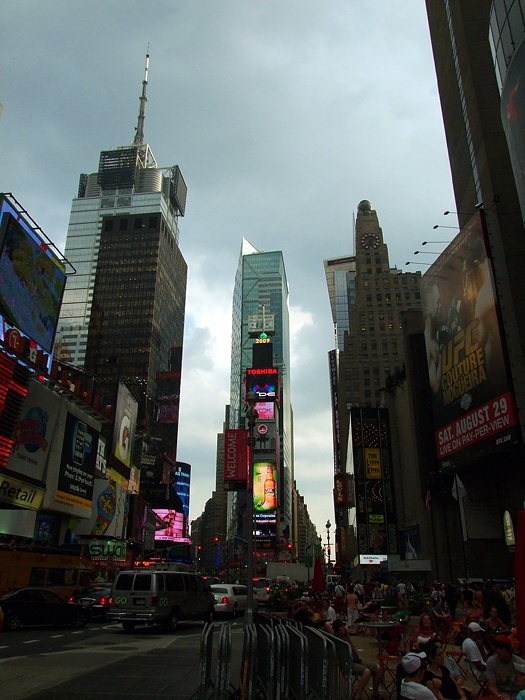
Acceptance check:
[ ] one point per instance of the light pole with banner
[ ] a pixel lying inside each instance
(251, 418)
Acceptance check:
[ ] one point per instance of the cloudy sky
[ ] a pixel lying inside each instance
(282, 115)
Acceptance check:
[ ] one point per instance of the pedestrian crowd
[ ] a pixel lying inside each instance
(476, 618)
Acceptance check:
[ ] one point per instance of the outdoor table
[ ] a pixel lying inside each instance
(377, 629)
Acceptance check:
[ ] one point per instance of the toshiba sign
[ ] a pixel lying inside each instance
(235, 458)
(264, 382)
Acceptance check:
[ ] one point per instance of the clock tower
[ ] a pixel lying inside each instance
(371, 252)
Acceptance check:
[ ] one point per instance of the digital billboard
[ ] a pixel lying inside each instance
(471, 394)
(168, 396)
(32, 279)
(265, 485)
(174, 525)
(264, 382)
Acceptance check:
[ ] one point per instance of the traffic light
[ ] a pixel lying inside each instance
(289, 546)
(216, 540)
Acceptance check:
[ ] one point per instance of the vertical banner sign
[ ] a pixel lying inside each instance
(235, 455)
(340, 497)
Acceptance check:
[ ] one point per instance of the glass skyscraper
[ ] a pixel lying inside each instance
(123, 309)
(260, 305)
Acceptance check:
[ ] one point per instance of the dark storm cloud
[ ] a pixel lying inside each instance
(282, 115)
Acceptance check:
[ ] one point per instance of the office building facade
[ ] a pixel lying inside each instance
(367, 299)
(260, 307)
(123, 309)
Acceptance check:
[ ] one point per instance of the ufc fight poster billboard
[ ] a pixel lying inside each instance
(472, 398)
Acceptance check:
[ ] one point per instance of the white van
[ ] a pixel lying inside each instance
(145, 597)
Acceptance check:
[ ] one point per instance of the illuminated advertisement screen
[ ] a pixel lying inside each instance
(264, 382)
(168, 396)
(32, 279)
(265, 486)
(471, 394)
(174, 521)
(265, 409)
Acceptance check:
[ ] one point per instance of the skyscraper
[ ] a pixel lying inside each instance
(260, 306)
(479, 55)
(123, 310)
(367, 299)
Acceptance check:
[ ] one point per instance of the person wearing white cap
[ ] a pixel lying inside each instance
(475, 652)
(412, 688)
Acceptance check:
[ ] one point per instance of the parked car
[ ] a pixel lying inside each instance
(230, 598)
(97, 598)
(145, 597)
(40, 606)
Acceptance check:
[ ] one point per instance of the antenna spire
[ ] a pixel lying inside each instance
(139, 131)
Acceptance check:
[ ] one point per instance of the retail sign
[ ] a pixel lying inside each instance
(19, 493)
(108, 551)
(372, 463)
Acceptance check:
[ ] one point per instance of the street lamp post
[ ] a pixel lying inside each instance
(251, 417)
(328, 526)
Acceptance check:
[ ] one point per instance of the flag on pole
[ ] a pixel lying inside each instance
(458, 490)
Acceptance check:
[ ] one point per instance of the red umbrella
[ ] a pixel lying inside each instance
(318, 582)
(520, 578)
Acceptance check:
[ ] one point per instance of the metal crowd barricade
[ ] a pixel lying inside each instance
(222, 670)
(205, 665)
(341, 675)
(266, 661)
(317, 664)
(297, 663)
(281, 663)
(248, 679)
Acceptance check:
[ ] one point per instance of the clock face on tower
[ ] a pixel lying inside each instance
(370, 240)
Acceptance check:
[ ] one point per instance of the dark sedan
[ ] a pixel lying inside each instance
(40, 606)
(97, 598)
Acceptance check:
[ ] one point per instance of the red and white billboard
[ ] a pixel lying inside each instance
(235, 456)
(472, 398)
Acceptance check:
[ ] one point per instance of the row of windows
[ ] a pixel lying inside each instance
(132, 223)
(393, 279)
(507, 27)
(393, 296)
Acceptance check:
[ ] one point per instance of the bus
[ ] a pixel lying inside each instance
(66, 573)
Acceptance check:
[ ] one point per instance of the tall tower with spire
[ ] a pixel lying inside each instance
(123, 309)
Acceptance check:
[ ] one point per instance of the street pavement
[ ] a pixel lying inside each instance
(169, 668)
